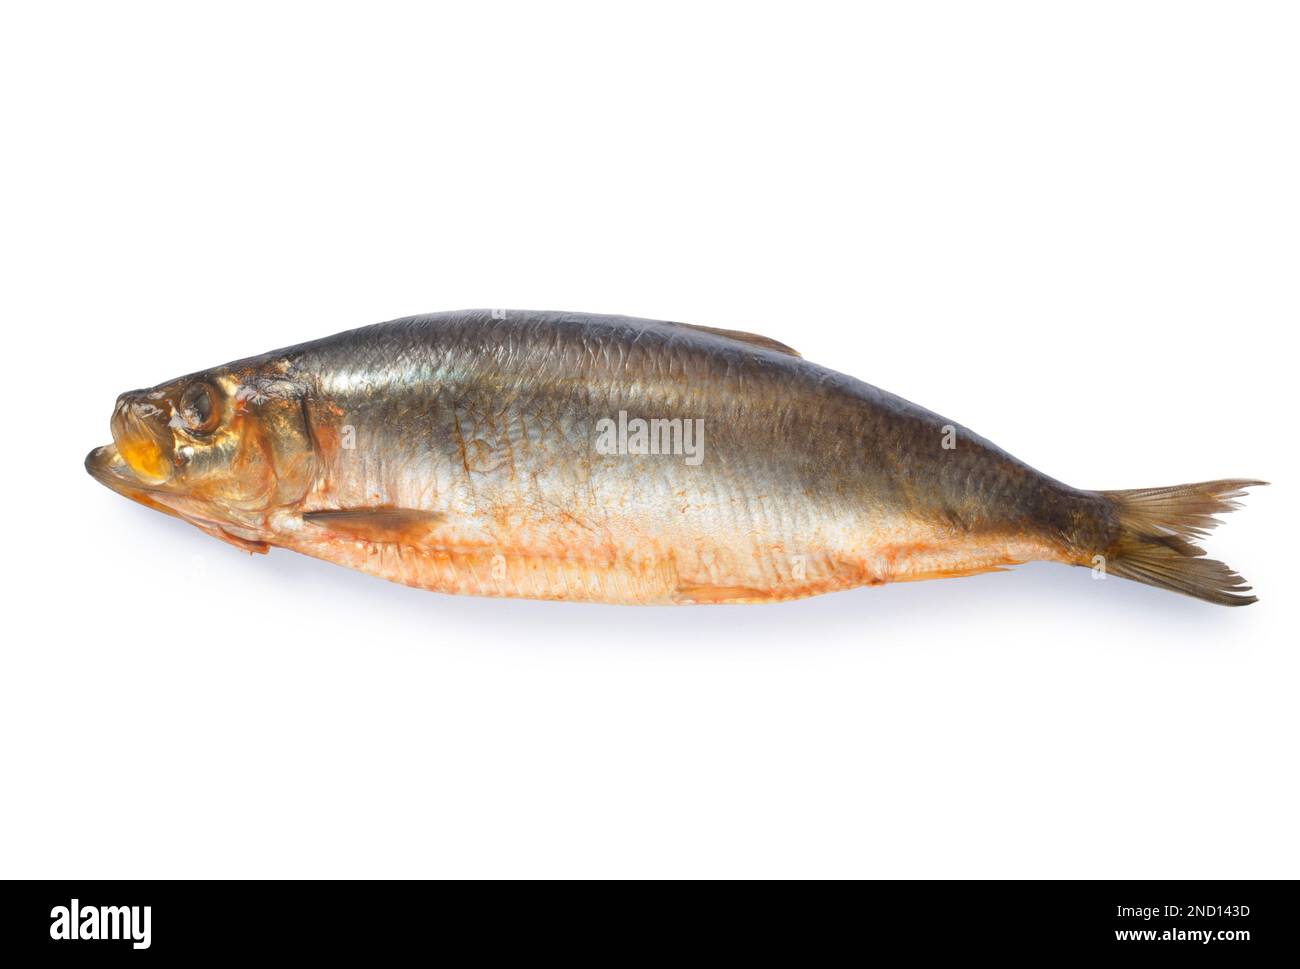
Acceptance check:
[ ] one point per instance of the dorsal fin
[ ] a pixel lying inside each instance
(753, 339)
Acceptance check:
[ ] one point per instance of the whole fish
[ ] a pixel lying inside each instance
(613, 459)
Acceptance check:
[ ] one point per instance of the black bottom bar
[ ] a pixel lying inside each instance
(167, 919)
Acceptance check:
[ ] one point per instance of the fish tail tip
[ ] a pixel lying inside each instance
(1157, 529)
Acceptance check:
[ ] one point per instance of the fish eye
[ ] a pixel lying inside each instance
(198, 408)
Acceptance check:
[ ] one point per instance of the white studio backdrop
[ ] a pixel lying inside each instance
(1069, 227)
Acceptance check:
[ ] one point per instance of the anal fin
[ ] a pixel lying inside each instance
(956, 572)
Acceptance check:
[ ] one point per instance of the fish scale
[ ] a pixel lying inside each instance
(506, 453)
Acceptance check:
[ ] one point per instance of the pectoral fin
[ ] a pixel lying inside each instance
(398, 526)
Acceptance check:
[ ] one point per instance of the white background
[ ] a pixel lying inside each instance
(1071, 227)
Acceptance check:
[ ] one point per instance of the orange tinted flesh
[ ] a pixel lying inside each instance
(145, 457)
(646, 575)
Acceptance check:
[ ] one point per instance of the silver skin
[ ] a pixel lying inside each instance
(464, 448)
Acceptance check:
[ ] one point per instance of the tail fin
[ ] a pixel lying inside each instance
(1157, 529)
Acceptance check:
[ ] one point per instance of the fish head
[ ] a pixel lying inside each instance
(222, 448)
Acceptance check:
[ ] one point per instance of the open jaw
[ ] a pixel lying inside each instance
(107, 466)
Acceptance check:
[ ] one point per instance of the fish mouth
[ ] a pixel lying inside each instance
(140, 459)
(107, 466)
